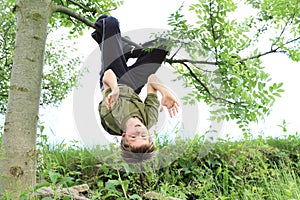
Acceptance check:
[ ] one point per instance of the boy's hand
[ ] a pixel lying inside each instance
(169, 101)
(112, 98)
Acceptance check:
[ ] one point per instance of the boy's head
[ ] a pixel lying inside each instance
(136, 143)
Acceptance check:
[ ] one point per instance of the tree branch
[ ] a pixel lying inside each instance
(82, 6)
(213, 32)
(181, 61)
(260, 55)
(288, 22)
(205, 88)
(176, 52)
(93, 11)
(293, 40)
(87, 22)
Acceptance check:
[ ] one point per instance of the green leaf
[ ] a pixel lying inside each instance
(125, 184)
(111, 184)
(40, 185)
(280, 85)
(65, 180)
(277, 94)
(53, 177)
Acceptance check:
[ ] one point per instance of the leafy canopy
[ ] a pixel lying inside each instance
(225, 68)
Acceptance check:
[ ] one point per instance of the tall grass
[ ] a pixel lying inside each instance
(262, 168)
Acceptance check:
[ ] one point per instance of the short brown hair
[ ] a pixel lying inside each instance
(132, 154)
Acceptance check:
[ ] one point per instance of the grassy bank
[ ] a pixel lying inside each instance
(248, 169)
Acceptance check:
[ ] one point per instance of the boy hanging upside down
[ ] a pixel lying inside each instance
(122, 112)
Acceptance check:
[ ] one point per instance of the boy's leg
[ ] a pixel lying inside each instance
(111, 48)
(146, 64)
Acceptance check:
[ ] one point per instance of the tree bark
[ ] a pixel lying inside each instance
(19, 138)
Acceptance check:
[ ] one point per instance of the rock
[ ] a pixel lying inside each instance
(155, 195)
(72, 192)
(81, 188)
(45, 192)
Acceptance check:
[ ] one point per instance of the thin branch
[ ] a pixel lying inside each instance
(213, 29)
(284, 28)
(173, 61)
(62, 2)
(82, 6)
(88, 9)
(205, 88)
(87, 22)
(260, 55)
(289, 21)
(181, 61)
(293, 40)
(176, 52)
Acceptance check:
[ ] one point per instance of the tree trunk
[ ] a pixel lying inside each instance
(19, 139)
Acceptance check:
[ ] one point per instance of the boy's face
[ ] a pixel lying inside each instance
(136, 134)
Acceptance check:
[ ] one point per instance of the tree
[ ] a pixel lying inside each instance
(33, 17)
(59, 74)
(232, 76)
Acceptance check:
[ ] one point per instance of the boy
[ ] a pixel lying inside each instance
(122, 112)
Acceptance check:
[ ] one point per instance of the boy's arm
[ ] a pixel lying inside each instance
(110, 81)
(168, 100)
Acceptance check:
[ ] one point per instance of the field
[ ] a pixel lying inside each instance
(261, 168)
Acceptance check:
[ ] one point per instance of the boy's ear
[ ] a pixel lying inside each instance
(123, 135)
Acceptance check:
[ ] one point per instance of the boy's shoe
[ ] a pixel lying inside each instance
(97, 34)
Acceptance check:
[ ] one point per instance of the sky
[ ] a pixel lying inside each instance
(144, 14)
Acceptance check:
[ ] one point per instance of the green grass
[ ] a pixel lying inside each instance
(263, 168)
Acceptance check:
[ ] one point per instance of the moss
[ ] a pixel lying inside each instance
(31, 152)
(16, 171)
(21, 89)
(36, 16)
